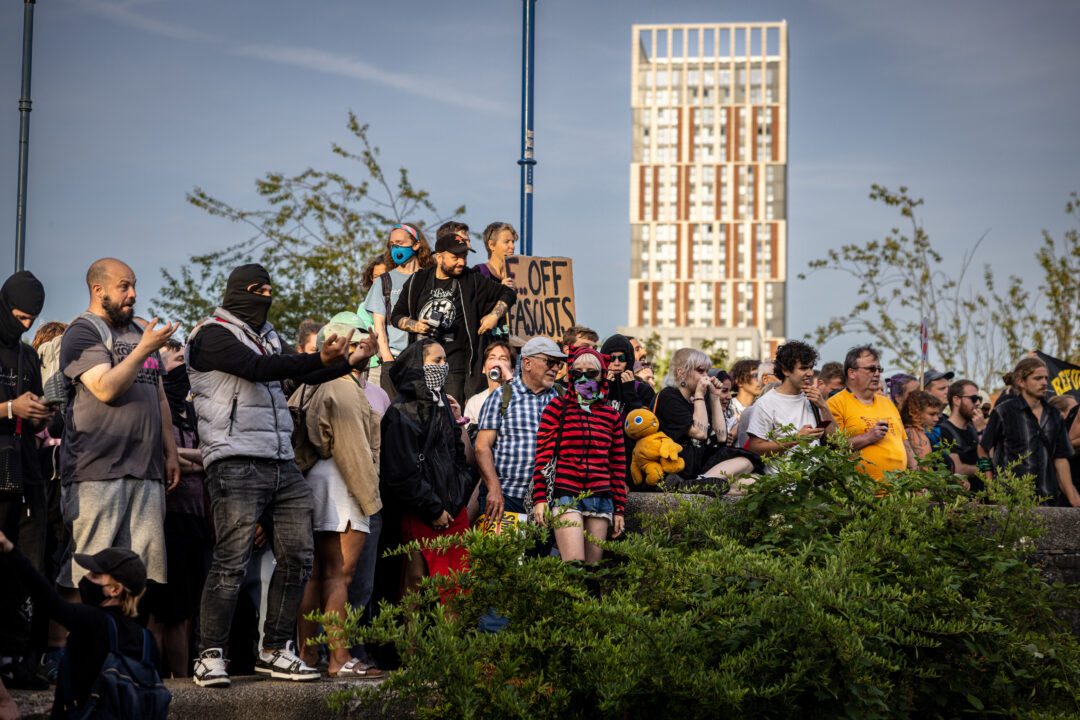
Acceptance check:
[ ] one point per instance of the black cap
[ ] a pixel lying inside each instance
(934, 375)
(123, 564)
(452, 243)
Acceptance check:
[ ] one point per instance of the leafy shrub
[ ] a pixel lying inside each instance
(810, 597)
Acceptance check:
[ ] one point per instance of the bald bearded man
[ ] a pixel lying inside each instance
(119, 456)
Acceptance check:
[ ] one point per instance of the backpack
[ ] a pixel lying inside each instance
(127, 688)
(54, 388)
(303, 451)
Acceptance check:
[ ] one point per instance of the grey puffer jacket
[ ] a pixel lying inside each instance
(238, 417)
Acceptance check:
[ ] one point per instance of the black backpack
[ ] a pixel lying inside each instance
(127, 688)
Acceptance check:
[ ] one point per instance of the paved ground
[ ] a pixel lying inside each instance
(251, 697)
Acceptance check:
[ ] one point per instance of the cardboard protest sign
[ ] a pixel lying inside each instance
(545, 296)
(1064, 377)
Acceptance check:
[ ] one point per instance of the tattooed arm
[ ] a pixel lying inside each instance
(490, 320)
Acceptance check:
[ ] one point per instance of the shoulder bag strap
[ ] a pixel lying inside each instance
(387, 286)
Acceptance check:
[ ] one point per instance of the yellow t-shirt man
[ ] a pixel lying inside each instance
(856, 417)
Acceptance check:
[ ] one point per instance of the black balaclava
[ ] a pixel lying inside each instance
(243, 303)
(23, 292)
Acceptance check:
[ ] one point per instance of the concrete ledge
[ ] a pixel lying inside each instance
(250, 697)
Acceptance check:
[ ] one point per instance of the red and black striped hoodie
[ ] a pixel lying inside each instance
(591, 453)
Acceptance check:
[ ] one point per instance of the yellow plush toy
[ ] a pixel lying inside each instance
(655, 454)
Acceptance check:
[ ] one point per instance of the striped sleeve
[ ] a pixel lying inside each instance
(617, 455)
(545, 447)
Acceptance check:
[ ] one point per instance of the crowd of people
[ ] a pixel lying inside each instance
(217, 488)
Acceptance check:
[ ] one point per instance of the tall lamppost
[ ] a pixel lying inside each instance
(24, 135)
(527, 161)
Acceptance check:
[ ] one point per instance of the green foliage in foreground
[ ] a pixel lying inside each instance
(809, 598)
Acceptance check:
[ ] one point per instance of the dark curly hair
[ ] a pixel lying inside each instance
(916, 402)
(792, 353)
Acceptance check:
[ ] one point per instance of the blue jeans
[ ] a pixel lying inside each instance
(241, 490)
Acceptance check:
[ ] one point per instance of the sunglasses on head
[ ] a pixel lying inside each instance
(591, 374)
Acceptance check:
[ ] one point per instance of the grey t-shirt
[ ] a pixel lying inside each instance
(106, 441)
(397, 339)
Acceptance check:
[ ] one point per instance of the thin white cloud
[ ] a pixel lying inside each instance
(123, 15)
(346, 66)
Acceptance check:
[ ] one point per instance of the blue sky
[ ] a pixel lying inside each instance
(970, 104)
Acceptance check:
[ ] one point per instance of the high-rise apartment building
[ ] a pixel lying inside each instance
(708, 185)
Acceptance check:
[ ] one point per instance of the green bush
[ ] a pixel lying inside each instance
(811, 597)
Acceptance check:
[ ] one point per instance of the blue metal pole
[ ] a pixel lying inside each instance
(527, 161)
(24, 136)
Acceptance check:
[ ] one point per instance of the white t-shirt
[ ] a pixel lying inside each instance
(773, 411)
(472, 407)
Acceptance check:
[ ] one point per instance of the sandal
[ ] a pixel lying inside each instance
(356, 669)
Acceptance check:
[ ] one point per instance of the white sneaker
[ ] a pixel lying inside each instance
(212, 669)
(285, 665)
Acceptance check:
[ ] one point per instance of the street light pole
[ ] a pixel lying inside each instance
(527, 161)
(24, 135)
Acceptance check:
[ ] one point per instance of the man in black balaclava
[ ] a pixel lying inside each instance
(236, 363)
(22, 492)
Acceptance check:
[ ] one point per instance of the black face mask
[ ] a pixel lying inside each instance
(243, 303)
(23, 292)
(92, 593)
(177, 386)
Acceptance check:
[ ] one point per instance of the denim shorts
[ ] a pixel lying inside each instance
(597, 507)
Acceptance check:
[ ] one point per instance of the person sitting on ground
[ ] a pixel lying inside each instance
(431, 494)
(742, 432)
(725, 403)
(114, 581)
(343, 429)
(579, 451)
(574, 337)
(796, 407)
(689, 412)
(767, 372)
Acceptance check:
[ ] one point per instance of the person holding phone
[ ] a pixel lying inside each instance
(794, 411)
(872, 420)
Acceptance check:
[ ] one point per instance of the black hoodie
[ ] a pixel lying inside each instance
(415, 424)
(626, 397)
(22, 291)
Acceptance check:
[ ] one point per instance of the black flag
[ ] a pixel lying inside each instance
(1064, 377)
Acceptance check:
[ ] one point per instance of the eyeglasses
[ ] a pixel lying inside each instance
(618, 357)
(591, 374)
(974, 398)
(874, 369)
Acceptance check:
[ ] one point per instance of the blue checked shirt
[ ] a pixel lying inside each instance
(515, 439)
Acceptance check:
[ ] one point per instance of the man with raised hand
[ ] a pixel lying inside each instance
(118, 457)
(236, 366)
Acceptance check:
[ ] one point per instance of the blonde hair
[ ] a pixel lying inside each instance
(684, 359)
(129, 603)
